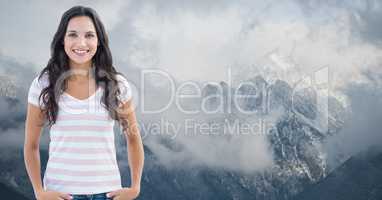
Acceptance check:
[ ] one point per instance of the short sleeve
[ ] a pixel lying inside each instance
(125, 89)
(34, 92)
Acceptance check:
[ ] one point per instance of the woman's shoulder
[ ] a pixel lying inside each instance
(122, 80)
(38, 84)
(124, 87)
(41, 80)
(120, 77)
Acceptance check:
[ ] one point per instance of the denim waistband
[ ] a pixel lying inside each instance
(89, 196)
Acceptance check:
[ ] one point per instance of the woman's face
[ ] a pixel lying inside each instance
(80, 41)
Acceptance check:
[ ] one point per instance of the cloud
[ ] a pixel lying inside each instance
(201, 44)
(362, 128)
(206, 141)
(15, 79)
(368, 23)
(364, 15)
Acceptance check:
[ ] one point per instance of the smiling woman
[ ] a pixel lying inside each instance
(80, 94)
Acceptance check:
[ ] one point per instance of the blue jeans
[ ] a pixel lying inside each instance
(100, 196)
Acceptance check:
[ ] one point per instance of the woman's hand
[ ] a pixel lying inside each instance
(124, 193)
(52, 195)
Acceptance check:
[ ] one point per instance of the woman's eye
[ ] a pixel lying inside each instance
(72, 35)
(89, 35)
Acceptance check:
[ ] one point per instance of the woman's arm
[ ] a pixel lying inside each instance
(134, 150)
(134, 144)
(33, 126)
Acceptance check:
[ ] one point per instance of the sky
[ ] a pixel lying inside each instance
(210, 41)
(200, 40)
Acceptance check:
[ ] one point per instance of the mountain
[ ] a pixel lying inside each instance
(13, 173)
(10, 193)
(295, 141)
(358, 178)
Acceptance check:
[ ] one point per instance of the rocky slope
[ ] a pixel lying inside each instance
(358, 178)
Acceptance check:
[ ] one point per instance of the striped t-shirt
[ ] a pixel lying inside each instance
(82, 154)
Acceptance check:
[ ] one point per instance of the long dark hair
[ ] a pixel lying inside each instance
(58, 64)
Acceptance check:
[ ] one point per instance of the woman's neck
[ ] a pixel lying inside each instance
(81, 72)
(80, 78)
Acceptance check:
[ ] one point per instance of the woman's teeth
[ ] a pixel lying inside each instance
(80, 52)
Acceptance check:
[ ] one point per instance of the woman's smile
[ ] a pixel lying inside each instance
(80, 52)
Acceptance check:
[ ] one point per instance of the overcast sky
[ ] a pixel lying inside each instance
(201, 39)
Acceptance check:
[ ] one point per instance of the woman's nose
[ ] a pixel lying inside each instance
(82, 41)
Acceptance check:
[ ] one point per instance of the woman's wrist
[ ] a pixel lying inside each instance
(38, 193)
(136, 187)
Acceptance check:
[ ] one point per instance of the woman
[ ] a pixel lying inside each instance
(80, 94)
